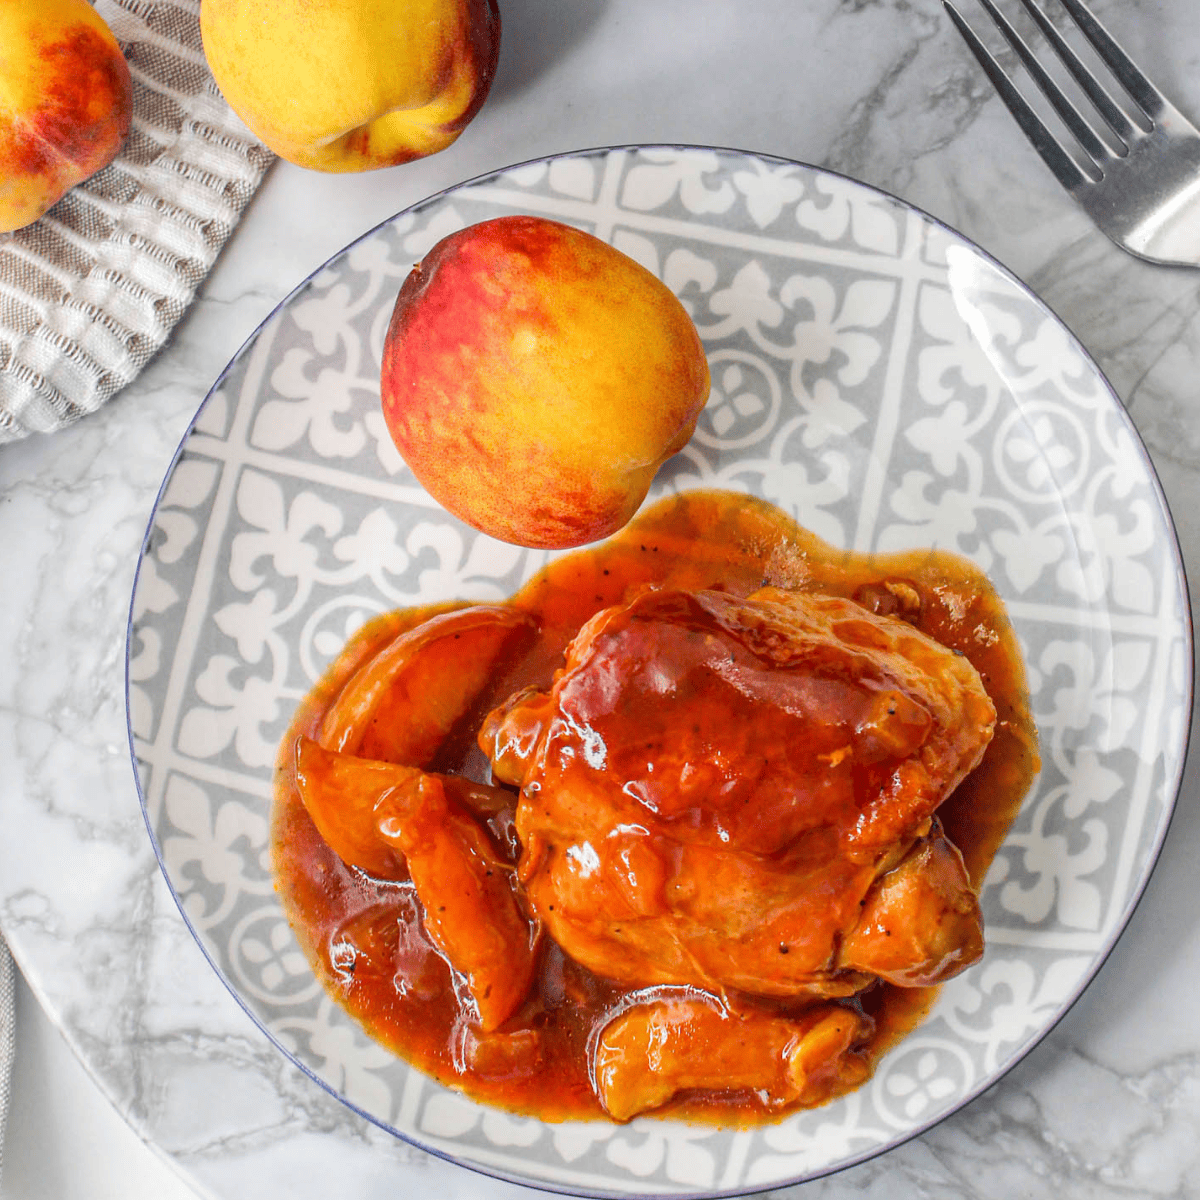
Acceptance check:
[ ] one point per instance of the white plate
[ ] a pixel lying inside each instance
(874, 374)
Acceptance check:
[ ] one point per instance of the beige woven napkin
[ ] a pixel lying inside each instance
(93, 289)
(7, 1039)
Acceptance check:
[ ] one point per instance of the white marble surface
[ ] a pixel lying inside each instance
(65, 1140)
(1108, 1106)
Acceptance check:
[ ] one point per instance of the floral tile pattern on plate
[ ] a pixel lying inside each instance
(874, 375)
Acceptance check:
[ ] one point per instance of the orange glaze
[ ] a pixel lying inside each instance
(365, 938)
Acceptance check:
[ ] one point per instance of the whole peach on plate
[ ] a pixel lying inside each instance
(535, 379)
(350, 85)
(66, 102)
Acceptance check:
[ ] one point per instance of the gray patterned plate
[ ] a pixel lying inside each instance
(876, 376)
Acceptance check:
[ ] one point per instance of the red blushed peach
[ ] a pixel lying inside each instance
(66, 102)
(535, 379)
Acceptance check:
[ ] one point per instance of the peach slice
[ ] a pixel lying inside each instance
(401, 705)
(652, 1051)
(342, 794)
(379, 815)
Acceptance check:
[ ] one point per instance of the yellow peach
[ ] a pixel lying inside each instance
(350, 85)
(535, 378)
(66, 102)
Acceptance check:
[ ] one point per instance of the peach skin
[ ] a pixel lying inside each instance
(351, 85)
(535, 379)
(66, 102)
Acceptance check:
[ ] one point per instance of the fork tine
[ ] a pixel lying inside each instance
(1114, 118)
(1071, 116)
(1064, 167)
(1140, 89)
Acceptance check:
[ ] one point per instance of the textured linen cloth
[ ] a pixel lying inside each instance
(6, 1039)
(90, 292)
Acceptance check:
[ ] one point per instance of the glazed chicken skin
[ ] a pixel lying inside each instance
(739, 794)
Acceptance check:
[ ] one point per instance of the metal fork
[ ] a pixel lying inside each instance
(1145, 195)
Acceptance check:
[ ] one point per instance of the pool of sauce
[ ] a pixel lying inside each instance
(364, 937)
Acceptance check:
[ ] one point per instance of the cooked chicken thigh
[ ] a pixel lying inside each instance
(739, 794)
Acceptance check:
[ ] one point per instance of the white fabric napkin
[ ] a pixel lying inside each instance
(92, 290)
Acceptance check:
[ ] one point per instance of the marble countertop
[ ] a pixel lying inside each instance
(1107, 1106)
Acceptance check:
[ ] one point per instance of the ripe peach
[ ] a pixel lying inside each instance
(66, 102)
(534, 379)
(350, 85)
